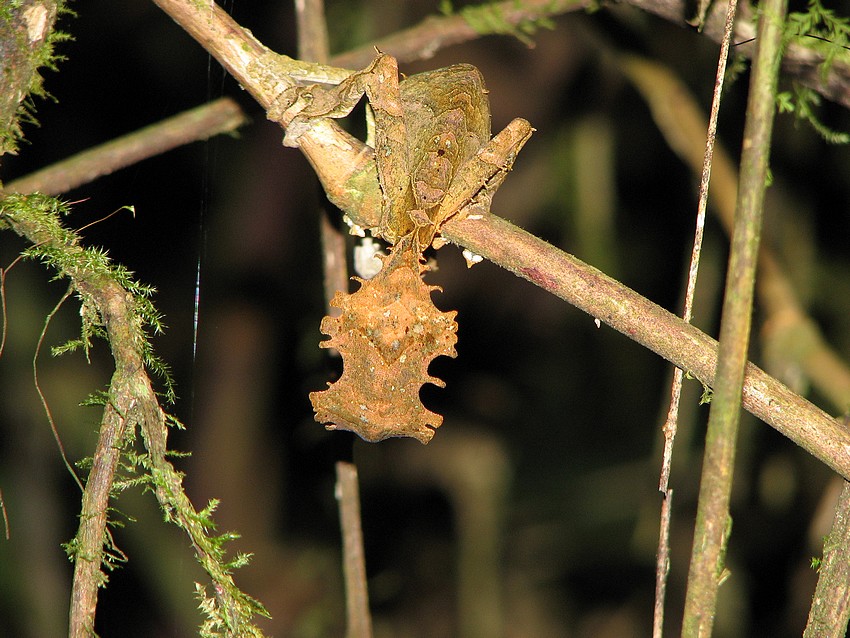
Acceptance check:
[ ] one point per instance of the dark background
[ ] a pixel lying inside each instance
(556, 422)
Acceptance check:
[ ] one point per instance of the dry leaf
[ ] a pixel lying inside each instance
(388, 333)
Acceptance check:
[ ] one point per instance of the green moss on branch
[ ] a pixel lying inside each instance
(119, 309)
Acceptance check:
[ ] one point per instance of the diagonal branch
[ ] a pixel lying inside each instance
(347, 170)
(652, 326)
(423, 40)
(199, 123)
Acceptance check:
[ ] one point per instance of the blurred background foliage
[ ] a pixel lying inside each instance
(534, 511)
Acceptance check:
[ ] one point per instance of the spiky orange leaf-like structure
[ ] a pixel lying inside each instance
(388, 334)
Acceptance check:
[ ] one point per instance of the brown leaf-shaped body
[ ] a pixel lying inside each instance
(388, 333)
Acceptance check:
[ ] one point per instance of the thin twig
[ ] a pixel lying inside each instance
(671, 423)
(334, 265)
(8, 530)
(312, 30)
(679, 118)
(47, 411)
(4, 330)
(200, 123)
(711, 534)
(3, 333)
(354, 563)
(662, 564)
(313, 45)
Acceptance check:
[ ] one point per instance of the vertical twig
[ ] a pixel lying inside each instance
(312, 31)
(662, 566)
(672, 416)
(354, 562)
(713, 522)
(5, 517)
(313, 46)
(334, 267)
(89, 541)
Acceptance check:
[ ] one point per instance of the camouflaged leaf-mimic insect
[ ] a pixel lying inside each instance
(388, 333)
(433, 149)
(434, 159)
